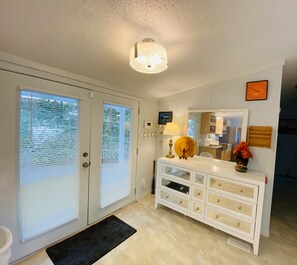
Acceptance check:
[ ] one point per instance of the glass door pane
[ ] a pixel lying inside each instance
(48, 162)
(116, 154)
(113, 153)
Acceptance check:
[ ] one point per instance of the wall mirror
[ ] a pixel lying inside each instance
(217, 131)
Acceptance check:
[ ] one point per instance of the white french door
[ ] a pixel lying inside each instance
(56, 177)
(113, 154)
(44, 188)
(52, 183)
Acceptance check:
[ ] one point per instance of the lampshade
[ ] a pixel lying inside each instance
(171, 129)
(148, 57)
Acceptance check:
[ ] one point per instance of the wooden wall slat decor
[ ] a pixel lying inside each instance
(260, 136)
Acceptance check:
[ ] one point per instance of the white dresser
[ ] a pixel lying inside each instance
(212, 192)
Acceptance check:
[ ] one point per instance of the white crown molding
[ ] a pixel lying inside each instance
(24, 66)
(279, 63)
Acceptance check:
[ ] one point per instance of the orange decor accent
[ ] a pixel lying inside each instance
(256, 90)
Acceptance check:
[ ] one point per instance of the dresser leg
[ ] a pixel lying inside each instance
(256, 249)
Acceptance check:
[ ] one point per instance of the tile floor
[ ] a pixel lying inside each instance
(166, 237)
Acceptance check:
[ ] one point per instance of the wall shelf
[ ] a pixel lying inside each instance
(260, 136)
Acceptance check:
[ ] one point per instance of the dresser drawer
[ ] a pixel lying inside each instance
(245, 209)
(233, 188)
(198, 194)
(197, 210)
(230, 222)
(173, 185)
(174, 199)
(199, 179)
(176, 172)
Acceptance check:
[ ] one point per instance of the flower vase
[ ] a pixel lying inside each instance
(241, 163)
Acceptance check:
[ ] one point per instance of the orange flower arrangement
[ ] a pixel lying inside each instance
(242, 149)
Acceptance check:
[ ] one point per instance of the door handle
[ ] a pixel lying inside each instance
(86, 164)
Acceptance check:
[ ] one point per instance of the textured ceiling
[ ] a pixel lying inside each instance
(206, 40)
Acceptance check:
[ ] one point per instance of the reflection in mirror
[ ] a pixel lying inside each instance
(217, 132)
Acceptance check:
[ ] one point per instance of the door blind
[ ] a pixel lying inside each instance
(48, 161)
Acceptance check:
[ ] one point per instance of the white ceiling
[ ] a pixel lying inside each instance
(206, 40)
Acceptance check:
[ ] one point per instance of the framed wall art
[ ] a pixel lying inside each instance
(256, 90)
(164, 117)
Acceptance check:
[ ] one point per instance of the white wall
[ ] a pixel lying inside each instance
(146, 151)
(231, 95)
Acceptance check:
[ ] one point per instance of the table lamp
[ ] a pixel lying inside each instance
(171, 129)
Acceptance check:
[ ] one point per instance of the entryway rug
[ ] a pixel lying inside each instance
(91, 244)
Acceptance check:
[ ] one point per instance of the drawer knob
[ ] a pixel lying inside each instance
(180, 202)
(238, 224)
(198, 193)
(241, 190)
(217, 216)
(167, 196)
(197, 209)
(220, 184)
(240, 207)
(218, 200)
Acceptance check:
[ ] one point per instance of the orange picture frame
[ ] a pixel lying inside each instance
(256, 90)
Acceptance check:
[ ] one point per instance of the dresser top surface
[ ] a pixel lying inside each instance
(217, 168)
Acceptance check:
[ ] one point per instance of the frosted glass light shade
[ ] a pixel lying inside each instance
(171, 129)
(148, 57)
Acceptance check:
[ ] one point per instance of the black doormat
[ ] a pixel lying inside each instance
(91, 244)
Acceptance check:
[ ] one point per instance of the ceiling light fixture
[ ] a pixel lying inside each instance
(148, 57)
